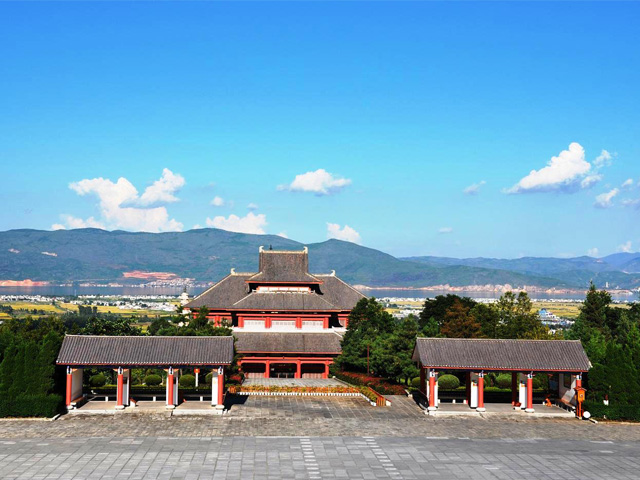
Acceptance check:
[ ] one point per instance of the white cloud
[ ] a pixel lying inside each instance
(217, 201)
(197, 226)
(625, 247)
(474, 188)
(631, 202)
(603, 160)
(162, 190)
(118, 203)
(593, 252)
(628, 183)
(250, 223)
(252, 206)
(283, 235)
(319, 182)
(13, 250)
(445, 230)
(604, 199)
(58, 226)
(590, 180)
(346, 233)
(567, 172)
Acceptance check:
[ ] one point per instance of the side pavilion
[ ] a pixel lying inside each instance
(523, 358)
(127, 352)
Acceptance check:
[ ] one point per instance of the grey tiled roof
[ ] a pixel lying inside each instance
(232, 292)
(507, 354)
(338, 292)
(224, 293)
(258, 342)
(284, 266)
(283, 301)
(143, 351)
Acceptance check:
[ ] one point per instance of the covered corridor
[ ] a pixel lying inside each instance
(124, 353)
(522, 358)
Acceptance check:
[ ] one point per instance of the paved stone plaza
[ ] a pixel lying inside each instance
(316, 437)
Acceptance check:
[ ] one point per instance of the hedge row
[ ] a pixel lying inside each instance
(613, 412)
(378, 384)
(31, 406)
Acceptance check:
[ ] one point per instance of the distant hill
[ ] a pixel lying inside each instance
(208, 255)
(619, 270)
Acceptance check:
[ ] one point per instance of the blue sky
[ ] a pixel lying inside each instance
(362, 121)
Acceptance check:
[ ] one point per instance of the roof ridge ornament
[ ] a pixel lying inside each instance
(305, 249)
(333, 273)
(233, 271)
(261, 248)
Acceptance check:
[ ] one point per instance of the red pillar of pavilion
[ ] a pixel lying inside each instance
(170, 388)
(298, 373)
(69, 386)
(529, 408)
(120, 389)
(267, 367)
(432, 390)
(326, 370)
(221, 386)
(480, 407)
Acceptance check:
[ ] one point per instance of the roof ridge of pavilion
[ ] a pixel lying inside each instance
(498, 339)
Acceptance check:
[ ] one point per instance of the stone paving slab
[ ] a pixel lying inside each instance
(317, 417)
(350, 457)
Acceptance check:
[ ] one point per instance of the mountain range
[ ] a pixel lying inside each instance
(94, 255)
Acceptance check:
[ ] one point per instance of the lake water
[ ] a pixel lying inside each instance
(378, 293)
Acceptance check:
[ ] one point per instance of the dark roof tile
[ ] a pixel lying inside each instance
(502, 354)
(259, 342)
(143, 351)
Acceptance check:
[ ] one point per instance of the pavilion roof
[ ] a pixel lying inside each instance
(501, 354)
(233, 292)
(274, 342)
(145, 351)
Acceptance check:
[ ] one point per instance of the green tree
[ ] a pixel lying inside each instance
(437, 307)
(367, 322)
(460, 323)
(391, 355)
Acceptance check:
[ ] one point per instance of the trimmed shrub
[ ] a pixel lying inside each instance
(152, 380)
(613, 412)
(31, 406)
(98, 380)
(187, 381)
(503, 380)
(208, 377)
(415, 382)
(448, 382)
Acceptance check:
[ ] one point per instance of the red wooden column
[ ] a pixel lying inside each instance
(170, 388)
(298, 323)
(120, 390)
(432, 390)
(69, 386)
(298, 373)
(267, 322)
(529, 408)
(514, 388)
(480, 407)
(326, 370)
(267, 367)
(221, 386)
(325, 322)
